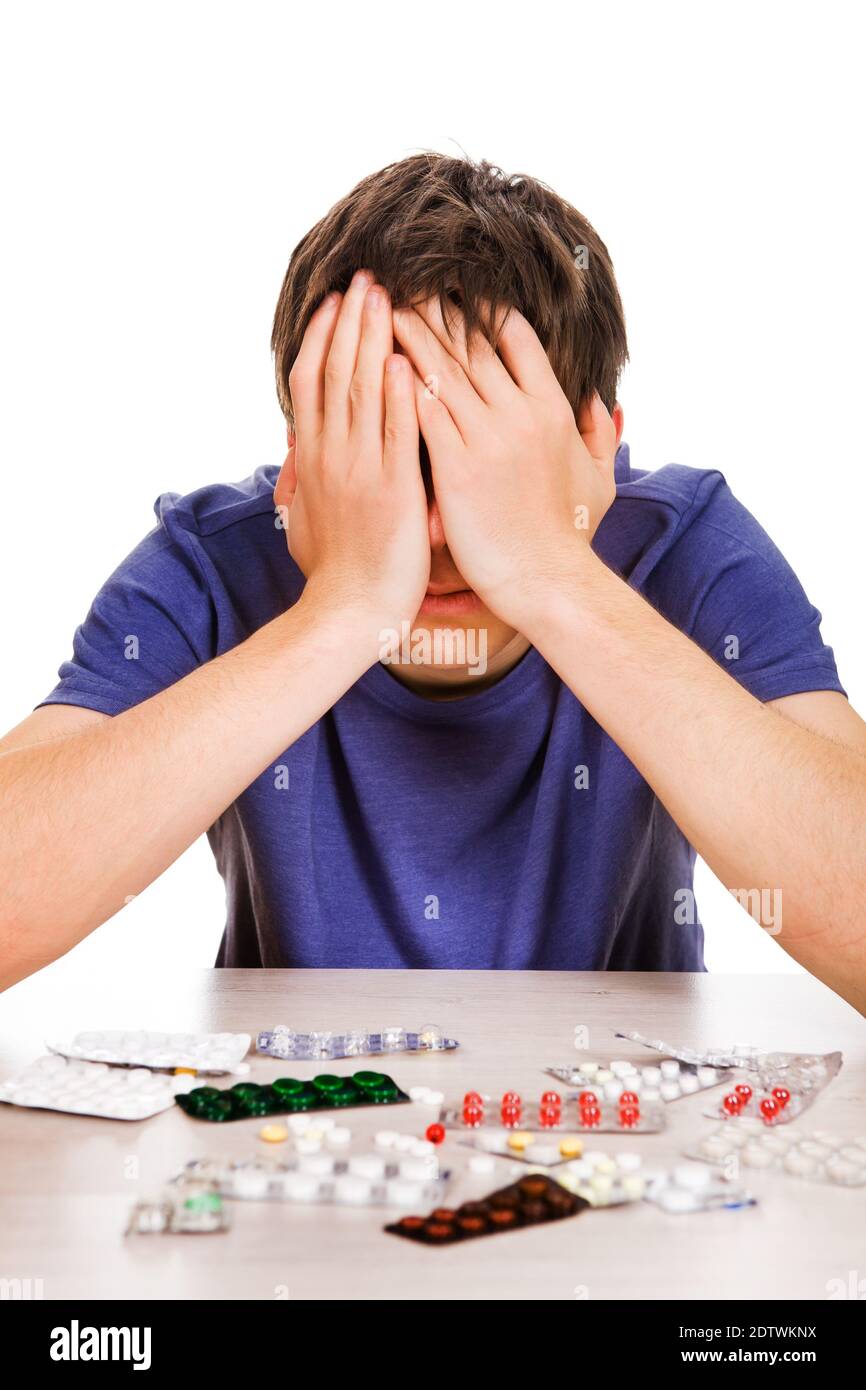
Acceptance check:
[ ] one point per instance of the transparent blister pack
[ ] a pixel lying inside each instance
(603, 1179)
(693, 1187)
(190, 1207)
(535, 1147)
(531, 1201)
(290, 1095)
(285, 1044)
(366, 1179)
(581, 1113)
(210, 1053)
(668, 1081)
(93, 1088)
(819, 1157)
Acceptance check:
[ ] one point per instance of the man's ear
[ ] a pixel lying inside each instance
(618, 417)
(287, 482)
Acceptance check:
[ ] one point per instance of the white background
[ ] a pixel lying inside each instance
(161, 161)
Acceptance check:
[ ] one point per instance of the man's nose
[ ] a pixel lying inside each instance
(434, 526)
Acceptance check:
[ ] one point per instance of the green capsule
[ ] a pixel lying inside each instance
(327, 1084)
(286, 1086)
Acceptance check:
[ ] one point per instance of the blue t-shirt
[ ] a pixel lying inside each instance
(405, 832)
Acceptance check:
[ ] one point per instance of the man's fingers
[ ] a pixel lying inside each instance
(307, 376)
(342, 356)
(527, 362)
(441, 435)
(377, 342)
(474, 354)
(442, 375)
(401, 418)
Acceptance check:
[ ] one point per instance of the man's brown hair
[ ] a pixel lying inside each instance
(464, 231)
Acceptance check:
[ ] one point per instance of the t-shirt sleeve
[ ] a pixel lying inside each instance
(151, 623)
(727, 585)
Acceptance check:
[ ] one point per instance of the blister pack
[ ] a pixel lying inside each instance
(285, 1044)
(186, 1208)
(783, 1084)
(820, 1157)
(585, 1111)
(666, 1082)
(693, 1187)
(214, 1053)
(531, 1201)
(367, 1179)
(604, 1180)
(288, 1095)
(526, 1146)
(93, 1088)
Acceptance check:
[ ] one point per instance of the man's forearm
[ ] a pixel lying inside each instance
(768, 804)
(91, 819)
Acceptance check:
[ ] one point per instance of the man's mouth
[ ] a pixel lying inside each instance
(449, 598)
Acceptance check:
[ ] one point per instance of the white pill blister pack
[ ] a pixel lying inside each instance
(668, 1081)
(604, 1180)
(208, 1053)
(692, 1187)
(369, 1179)
(93, 1088)
(525, 1146)
(820, 1157)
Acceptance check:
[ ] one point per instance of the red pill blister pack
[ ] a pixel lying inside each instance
(585, 1112)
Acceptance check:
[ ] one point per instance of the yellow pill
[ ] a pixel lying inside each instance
(571, 1148)
(273, 1134)
(185, 1071)
(520, 1140)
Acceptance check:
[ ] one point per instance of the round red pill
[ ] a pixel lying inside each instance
(472, 1100)
(629, 1116)
(511, 1098)
(769, 1109)
(744, 1091)
(587, 1098)
(781, 1095)
(732, 1104)
(629, 1098)
(472, 1116)
(551, 1098)
(549, 1116)
(435, 1133)
(590, 1115)
(510, 1116)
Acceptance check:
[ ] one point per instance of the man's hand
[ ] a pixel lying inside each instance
(351, 486)
(521, 489)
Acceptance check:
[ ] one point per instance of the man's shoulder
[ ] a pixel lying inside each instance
(218, 507)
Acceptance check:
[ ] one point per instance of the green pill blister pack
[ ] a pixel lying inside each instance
(289, 1096)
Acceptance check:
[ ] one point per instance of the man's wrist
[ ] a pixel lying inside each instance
(559, 602)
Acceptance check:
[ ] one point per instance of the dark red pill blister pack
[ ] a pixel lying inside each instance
(531, 1201)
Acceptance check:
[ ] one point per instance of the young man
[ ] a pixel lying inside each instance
(627, 670)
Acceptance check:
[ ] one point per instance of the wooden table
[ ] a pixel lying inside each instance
(68, 1182)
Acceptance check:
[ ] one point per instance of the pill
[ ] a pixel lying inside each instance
(670, 1090)
(481, 1163)
(386, 1139)
(757, 1156)
(651, 1096)
(676, 1199)
(612, 1090)
(520, 1140)
(600, 1183)
(670, 1070)
(419, 1169)
(801, 1165)
(404, 1142)
(689, 1083)
(300, 1187)
(620, 1068)
(628, 1162)
(707, 1076)
(590, 1069)
(651, 1076)
(570, 1148)
(321, 1164)
(633, 1187)
(352, 1189)
(604, 1074)
(693, 1176)
(305, 1145)
(542, 1153)
(274, 1134)
(841, 1171)
(338, 1137)
(370, 1166)
(401, 1192)
(714, 1147)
